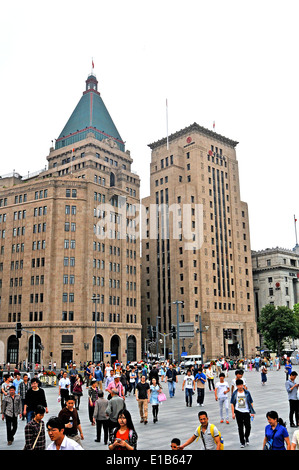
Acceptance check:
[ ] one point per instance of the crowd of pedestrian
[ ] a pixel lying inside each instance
(107, 386)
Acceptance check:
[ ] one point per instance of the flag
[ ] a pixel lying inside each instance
(213, 124)
(92, 64)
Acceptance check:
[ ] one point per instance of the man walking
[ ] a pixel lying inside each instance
(189, 386)
(172, 379)
(143, 397)
(209, 434)
(64, 388)
(12, 408)
(70, 417)
(200, 379)
(242, 410)
(115, 405)
(221, 391)
(292, 390)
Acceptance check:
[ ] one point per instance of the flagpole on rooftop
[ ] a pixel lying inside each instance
(167, 124)
(295, 222)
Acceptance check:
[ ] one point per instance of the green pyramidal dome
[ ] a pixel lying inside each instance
(90, 115)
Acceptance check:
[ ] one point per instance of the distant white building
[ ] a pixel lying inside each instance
(276, 280)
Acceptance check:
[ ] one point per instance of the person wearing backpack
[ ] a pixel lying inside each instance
(210, 436)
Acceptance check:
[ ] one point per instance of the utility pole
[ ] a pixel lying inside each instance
(177, 302)
(95, 298)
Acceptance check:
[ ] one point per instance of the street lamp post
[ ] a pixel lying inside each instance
(200, 338)
(157, 336)
(95, 298)
(177, 302)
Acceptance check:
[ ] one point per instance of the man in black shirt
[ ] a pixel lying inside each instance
(143, 397)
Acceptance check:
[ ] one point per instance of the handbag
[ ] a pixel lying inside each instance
(269, 443)
(161, 397)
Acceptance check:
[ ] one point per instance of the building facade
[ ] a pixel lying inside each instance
(196, 246)
(69, 265)
(276, 279)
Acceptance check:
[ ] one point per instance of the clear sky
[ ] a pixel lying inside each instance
(232, 62)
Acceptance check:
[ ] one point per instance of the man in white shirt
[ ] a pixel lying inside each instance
(55, 428)
(221, 391)
(243, 411)
(189, 385)
(64, 387)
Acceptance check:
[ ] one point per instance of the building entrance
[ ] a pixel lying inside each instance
(66, 357)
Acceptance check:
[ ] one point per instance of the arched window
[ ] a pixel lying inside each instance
(13, 350)
(115, 348)
(131, 348)
(36, 357)
(97, 348)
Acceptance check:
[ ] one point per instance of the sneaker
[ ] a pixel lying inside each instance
(227, 421)
(242, 445)
(247, 443)
(145, 422)
(222, 421)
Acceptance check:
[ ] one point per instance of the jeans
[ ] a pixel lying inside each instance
(29, 415)
(188, 395)
(223, 401)
(171, 388)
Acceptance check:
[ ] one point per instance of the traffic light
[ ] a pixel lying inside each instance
(154, 329)
(18, 330)
(229, 334)
(225, 334)
(173, 331)
(150, 332)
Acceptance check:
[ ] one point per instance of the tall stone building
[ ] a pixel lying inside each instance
(196, 246)
(275, 277)
(69, 266)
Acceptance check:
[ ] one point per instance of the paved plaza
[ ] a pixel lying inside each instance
(177, 420)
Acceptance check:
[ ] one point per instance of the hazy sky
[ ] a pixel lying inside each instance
(232, 62)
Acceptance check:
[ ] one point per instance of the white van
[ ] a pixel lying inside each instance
(191, 360)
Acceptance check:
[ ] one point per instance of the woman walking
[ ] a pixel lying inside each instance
(210, 376)
(78, 390)
(155, 389)
(93, 394)
(264, 374)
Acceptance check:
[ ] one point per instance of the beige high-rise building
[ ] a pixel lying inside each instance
(69, 268)
(196, 247)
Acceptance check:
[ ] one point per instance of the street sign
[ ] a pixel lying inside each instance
(186, 330)
(184, 353)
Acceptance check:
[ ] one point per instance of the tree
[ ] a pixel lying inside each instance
(276, 324)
